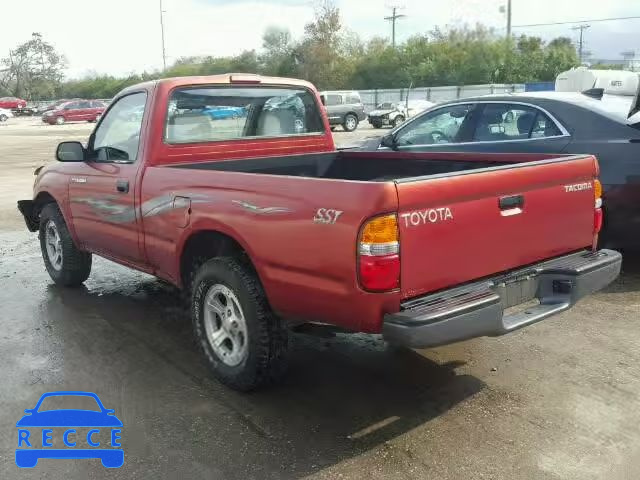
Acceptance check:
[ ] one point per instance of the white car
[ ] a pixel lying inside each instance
(5, 114)
(415, 107)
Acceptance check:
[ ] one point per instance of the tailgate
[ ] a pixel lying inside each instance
(461, 227)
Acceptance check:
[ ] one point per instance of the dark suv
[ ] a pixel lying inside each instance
(344, 108)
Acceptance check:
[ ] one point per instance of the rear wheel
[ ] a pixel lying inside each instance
(350, 122)
(3, 118)
(376, 124)
(59, 120)
(66, 264)
(243, 341)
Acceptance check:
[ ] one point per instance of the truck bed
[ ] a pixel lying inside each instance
(461, 217)
(369, 166)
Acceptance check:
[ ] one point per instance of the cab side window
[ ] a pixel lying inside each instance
(118, 135)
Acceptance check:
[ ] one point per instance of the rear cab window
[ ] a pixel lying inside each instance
(220, 113)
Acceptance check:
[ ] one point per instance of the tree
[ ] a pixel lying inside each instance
(278, 57)
(33, 70)
(320, 53)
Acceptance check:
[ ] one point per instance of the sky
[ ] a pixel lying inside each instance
(123, 36)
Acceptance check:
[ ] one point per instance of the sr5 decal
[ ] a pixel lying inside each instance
(327, 216)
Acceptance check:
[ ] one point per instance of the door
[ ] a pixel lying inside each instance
(517, 128)
(335, 108)
(72, 112)
(449, 128)
(85, 111)
(102, 191)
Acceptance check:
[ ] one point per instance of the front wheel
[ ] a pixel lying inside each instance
(66, 264)
(244, 342)
(350, 123)
(60, 120)
(3, 118)
(398, 120)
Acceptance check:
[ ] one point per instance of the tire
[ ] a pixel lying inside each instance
(332, 128)
(60, 120)
(376, 125)
(250, 350)
(350, 122)
(67, 265)
(398, 120)
(3, 118)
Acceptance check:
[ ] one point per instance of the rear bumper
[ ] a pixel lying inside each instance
(26, 209)
(478, 309)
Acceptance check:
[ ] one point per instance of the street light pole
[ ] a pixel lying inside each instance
(164, 54)
(508, 18)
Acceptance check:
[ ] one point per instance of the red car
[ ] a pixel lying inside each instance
(264, 224)
(75, 111)
(12, 103)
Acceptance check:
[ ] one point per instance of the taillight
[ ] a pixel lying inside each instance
(598, 215)
(379, 254)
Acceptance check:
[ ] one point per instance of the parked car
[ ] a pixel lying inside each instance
(387, 114)
(75, 111)
(57, 103)
(266, 225)
(5, 114)
(415, 107)
(223, 112)
(12, 103)
(541, 123)
(344, 108)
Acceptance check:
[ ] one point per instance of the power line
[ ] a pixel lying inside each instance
(578, 21)
(394, 16)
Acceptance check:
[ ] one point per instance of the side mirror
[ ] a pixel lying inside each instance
(28, 410)
(389, 141)
(70, 152)
(109, 411)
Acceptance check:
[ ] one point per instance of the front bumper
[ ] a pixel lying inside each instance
(478, 309)
(379, 120)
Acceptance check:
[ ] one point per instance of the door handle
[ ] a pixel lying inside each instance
(512, 201)
(122, 186)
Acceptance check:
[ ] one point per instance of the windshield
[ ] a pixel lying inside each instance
(69, 402)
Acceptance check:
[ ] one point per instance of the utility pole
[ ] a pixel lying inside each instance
(394, 16)
(164, 54)
(506, 9)
(508, 18)
(582, 28)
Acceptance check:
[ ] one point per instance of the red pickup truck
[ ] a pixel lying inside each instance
(267, 225)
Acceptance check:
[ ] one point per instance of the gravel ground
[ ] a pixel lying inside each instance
(554, 401)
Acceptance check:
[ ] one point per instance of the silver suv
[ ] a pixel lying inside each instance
(343, 108)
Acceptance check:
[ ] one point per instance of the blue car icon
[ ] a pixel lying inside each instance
(28, 457)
